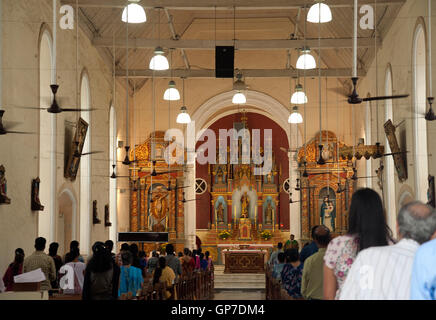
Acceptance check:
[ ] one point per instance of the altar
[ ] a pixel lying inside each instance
(244, 261)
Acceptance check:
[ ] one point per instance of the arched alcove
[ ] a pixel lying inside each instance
(85, 169)
(389, 185)
(66, 220)
(221, 106)
(46, 153)
(419, 107)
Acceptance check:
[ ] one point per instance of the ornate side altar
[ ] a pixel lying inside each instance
(153, 206)
(325, 189)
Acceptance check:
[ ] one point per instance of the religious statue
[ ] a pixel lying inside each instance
(220, 213)
(95, 219)
(35, 203)
(245, 202)
(431, 192)
(269, 177)
(269, 211)
(220, 176)
(327, 213)
(158, 213)
(3, 187)
(107, 223)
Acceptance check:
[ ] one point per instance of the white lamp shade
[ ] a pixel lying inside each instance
(136, 14)
(319, 13)
(159, 62)
(306, 61)
(171, 94)
(299, 97)
(295, 117)
(239, 98)
(183, 117)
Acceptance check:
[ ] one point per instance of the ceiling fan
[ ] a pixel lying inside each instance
(288, 150)
(5, 130)
(170, 188)
(77, 154)
(154, 173)
(292, 201)
(354, 98)
(430, 115)
(184, 200)
(54, 107)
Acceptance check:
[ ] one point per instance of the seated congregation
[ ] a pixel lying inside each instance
(128, 275)
(364, 264)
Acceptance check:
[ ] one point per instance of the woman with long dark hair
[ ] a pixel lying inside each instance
(53, 252)
(163, 273)
(15, 268)
(100, 281)
(367, 228)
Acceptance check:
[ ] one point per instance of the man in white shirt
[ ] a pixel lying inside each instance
(384, 273)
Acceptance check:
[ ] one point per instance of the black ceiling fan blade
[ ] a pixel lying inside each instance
(164, 172)
(291, 201)
(92, 152)
(188, 200)
(76, 110)
(175, 188)
(402, 96)
(19, 132)
(31, 108)
(394, 153)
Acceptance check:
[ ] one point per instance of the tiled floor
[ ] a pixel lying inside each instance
(239, 295)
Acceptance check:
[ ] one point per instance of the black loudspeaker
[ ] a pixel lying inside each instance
(224, 61)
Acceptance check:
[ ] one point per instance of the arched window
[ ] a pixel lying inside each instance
(112, 182)
(85, 171)
(389, 185)
(47, 156)
(419, 106)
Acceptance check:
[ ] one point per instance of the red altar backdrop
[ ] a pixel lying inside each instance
(280, 139)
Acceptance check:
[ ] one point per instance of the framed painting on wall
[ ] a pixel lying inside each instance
(75, 150)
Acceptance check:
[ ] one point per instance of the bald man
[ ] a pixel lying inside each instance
(312, 281)
(384, 273)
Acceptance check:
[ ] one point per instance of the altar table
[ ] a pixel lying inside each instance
(244, 261)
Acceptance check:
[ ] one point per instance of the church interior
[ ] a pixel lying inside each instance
(93, 105)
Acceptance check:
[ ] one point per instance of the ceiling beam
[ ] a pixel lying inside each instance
(225, 4)
(248, 73)
(240, 44)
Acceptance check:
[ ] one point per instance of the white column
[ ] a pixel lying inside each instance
(190, 208)
(294, 208)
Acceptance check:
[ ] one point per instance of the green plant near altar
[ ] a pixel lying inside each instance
(266, 234)
(223, 235)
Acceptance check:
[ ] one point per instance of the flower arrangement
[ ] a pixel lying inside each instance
(266, 234)
(162, 248)
(223, 235)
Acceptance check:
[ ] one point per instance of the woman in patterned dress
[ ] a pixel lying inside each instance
(292, 273)
(367, 228)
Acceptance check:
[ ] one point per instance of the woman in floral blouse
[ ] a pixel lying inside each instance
(292, 273)
(366, 228)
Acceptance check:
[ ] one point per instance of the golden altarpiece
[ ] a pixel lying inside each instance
(326, 184)
(155, 201)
